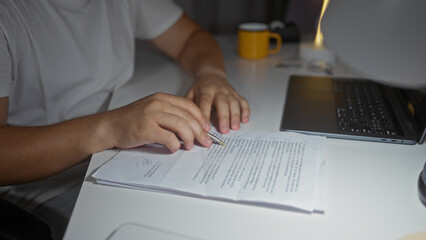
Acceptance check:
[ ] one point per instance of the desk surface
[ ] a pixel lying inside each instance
(371, 187)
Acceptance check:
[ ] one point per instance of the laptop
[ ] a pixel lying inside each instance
(358, 109)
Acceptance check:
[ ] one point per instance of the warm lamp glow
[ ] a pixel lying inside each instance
(315, 52)
(319, 37)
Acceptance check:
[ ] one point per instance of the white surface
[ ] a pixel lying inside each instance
(371, 187)
(135, 231)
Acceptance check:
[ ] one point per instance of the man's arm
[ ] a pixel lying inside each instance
(31, 153)
(200, 56)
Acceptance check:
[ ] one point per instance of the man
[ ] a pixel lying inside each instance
(59, 62)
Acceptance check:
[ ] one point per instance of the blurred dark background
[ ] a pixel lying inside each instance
(223, 16)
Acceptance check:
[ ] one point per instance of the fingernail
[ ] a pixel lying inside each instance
(206, 126)
(245, 119)
(208, 141)
(236, 125)
(225, 129)
(189, 146)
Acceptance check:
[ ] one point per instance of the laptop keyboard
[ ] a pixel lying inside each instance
(361, 109)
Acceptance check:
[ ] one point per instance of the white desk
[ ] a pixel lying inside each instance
(371, 187)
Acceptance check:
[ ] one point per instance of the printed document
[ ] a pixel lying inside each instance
(276, 169)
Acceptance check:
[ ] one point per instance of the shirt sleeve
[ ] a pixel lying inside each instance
(5, 67)
(154, 17)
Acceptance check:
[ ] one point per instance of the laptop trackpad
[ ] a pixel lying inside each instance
(310, 109)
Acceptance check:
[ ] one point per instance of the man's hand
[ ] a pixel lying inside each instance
(214, 90)
(200, 56)
(159, 118)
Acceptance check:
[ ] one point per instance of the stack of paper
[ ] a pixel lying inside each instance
(275, 169)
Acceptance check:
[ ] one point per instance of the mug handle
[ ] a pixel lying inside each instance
(277, 37)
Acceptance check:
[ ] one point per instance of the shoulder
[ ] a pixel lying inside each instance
(153, 17)
(12, 16)
(152, 7)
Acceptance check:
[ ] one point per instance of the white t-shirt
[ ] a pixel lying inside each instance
(61, 59)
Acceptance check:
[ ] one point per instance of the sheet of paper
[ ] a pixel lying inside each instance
(265, 168)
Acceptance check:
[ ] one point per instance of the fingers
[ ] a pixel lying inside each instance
(167, 138)
(190, 94)
(222, 107)
(231, 110)
(234, 109)
(212, 90)
(160, 118)
(186, 105)
(186, 130)
(245, 110)
(205, 103)
(184, 118)
(185, 125)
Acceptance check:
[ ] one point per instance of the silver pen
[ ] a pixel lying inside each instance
(216, 139)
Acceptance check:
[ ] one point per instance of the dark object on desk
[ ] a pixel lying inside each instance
(355, 109)
(289, 31)
(18, 224)
(422, 185)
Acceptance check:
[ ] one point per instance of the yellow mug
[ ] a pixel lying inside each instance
(253, 40)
